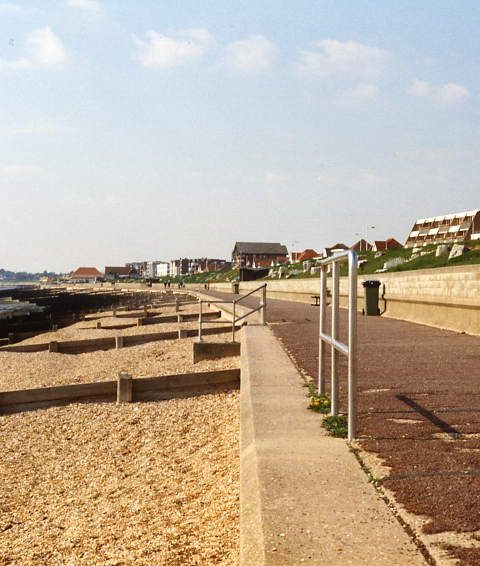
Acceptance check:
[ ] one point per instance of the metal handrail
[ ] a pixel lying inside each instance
(350, 349)
(251, 293)
(262, 308)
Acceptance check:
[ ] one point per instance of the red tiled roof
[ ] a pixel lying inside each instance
(307, 254)
(380, 245)
(392, 243)
(86, 272)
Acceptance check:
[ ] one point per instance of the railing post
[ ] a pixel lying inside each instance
(263, 317)
(335, 316)
(352, 348)
(200, 322)
(322, 318)
(233, 322)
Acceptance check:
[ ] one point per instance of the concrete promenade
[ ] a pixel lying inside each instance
(419, 412)
(303, 495)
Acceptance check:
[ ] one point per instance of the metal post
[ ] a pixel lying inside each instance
(352, 348)
(322, 318)
(335, 316)
(263, 317)
(233, 322)
(200, 322)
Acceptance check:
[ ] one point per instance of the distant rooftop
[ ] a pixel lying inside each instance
(273, 248)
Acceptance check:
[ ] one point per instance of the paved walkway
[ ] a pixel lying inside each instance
(419, 410)
(303, 496)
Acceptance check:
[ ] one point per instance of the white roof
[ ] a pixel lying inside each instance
(447, 216)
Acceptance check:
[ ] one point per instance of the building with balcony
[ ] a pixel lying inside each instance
(447, 229)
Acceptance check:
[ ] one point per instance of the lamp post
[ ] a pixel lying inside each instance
(367, 228)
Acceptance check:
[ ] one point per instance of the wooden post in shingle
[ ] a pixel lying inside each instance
(53, 346)
(118, 342)
(124, 388)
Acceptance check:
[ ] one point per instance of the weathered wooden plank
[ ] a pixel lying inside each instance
(169, 382)
(107, 390)
(108, 343)
(59, 392)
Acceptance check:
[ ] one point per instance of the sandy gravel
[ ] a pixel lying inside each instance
(140, 484)
(41, 369)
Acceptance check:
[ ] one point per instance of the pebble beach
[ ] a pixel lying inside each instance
(99, 483)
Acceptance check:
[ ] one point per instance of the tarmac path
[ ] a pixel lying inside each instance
(419, 411)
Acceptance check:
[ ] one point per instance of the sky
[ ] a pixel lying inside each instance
(151, 130)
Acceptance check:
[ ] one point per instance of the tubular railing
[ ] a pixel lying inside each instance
(262, 308)
(338, 347)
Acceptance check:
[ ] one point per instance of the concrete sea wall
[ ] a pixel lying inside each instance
(446, 297)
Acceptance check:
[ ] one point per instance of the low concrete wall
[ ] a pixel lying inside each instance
(446, 297)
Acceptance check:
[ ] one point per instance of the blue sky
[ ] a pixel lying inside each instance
(153, 130)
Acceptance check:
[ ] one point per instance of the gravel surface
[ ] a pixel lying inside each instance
(42, 369)
(141, 484)
(164, 357)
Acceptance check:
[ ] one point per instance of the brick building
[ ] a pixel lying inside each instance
(258, 254)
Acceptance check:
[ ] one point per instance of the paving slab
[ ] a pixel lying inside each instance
(303, 496)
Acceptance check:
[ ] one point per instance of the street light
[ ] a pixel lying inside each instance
(366, 234)
(367, 228)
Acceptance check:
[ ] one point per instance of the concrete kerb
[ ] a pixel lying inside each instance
(303, 495)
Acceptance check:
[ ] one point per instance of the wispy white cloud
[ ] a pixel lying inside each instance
(91, 7)
(275, 178)
(19, 170)
(344, 58)
(447, 94)
(362, 92)
(253, 54)
(451, 93)
(164, 52)
(10, 8)
(31, 129)
(44, 49)
(420, 88)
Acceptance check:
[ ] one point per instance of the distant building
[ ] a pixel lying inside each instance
(85, 275)
(189, 266)
(258, 254)
(308, 253)
(362, 246)
(119, 272)
(162, 269)
(332, 250)
(446, 229)
(384, 245)
(139, 267)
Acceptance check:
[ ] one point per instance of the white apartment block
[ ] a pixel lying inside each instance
(450, 228)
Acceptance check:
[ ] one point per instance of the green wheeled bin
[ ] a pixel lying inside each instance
(370, 292)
